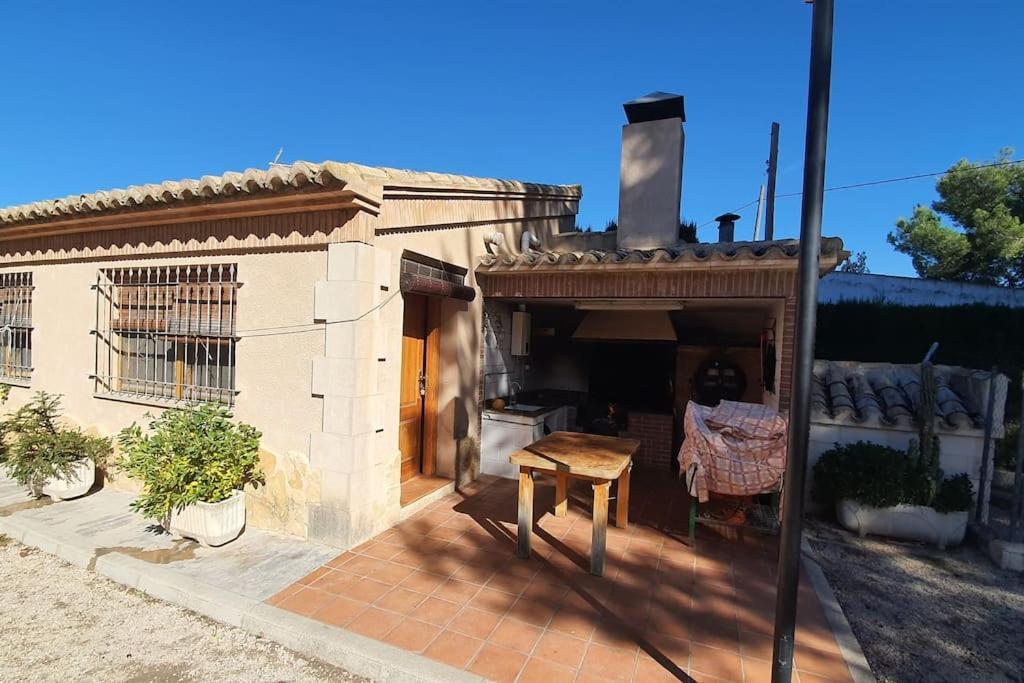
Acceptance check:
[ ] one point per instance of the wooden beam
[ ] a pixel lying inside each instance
(622, 499)
(561, 494)
(525, 512)
(599, 534)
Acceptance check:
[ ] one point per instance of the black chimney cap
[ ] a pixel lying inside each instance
(655, 107)
(728, 217)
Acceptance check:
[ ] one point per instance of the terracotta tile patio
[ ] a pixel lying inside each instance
(446, 583)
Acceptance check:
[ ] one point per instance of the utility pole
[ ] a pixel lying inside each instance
(803, 348)
(760, 206)
(773, 167)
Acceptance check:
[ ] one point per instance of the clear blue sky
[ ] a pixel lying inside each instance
(100, 98)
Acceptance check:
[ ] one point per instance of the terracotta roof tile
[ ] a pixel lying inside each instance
(681, 253)
(364, 180)
(886, 394)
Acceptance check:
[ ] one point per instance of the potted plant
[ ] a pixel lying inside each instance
(881, 490)
(48, 458)
(193, 464)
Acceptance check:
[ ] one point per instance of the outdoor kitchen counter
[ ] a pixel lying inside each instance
(599, 459)
(534, 415)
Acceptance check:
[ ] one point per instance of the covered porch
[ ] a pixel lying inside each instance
(446, 583)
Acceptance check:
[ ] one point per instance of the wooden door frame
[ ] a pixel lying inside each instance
(432, 370)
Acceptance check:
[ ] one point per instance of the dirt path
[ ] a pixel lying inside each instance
(925, 615)
(63, 623)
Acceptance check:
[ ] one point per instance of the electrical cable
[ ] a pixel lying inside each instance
(310, 327)
(871, 183)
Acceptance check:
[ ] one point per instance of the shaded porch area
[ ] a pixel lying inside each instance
(446, 583)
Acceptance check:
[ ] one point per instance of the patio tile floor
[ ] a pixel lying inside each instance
(446, 583)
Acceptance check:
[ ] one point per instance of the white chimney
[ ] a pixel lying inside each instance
(651, 172)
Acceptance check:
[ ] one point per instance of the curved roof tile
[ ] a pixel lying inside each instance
(886, 394)
(681, 253)
(365, 180)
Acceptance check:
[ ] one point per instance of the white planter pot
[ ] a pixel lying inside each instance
(211, 523)
(78, 482)
(912, 522)
(1002, 479)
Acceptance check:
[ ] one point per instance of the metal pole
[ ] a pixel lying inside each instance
(760, 207)
(773, 167)
(984, 480)
(1017, 507)
(803, 348)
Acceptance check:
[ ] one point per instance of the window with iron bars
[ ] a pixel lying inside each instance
(16, 327)
(166, 334)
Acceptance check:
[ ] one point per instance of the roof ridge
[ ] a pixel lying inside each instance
(299, 174)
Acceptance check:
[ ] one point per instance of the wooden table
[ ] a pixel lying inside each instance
(598, 459)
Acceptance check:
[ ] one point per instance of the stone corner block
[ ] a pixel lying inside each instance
(344, 376)
(353, 415)
(345, 453)
(359, 339)
(382, 268)
(344, 300)
(352, 261)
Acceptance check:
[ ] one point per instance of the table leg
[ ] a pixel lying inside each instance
(525, 512)
(561, 494)
(600, 532)
(622, 499)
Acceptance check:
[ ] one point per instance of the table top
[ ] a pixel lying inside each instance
(587, 455)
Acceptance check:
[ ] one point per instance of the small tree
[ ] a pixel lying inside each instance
(923, 453)
(190, 454)
(688, 232)
(37, 448)
(856, 263)
(985, 243)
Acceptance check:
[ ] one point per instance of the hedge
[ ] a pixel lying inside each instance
(975, 336)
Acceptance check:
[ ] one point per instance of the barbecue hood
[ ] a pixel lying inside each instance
(625, 324)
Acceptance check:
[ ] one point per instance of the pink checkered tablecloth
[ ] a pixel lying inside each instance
(735, 448)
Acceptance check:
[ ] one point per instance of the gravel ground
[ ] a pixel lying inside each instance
(63, 623)
(925, 615)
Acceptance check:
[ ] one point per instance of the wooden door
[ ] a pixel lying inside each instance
(412, 398)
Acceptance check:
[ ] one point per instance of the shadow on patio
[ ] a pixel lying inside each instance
(446, 583)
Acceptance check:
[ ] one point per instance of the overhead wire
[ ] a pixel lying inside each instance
(319, 326)
(311, 327)
(871, 183)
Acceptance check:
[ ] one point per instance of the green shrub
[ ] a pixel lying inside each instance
(36, 448)
(955, 494)
(880, 476)
(866, 472)
(191, 454)
(910, 330)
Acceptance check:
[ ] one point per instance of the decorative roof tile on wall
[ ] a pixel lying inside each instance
(681, 253)
(887, 394)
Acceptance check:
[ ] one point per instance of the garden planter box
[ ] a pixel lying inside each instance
(211, 523)
(78, 482)
(912, 522)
